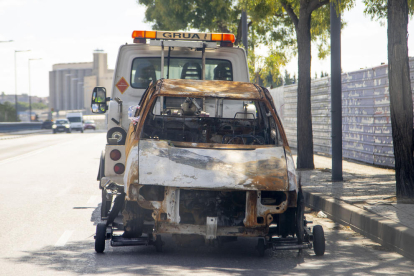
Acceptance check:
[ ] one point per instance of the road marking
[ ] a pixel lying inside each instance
(64, 238)
(31, 153)
(92, 199)
(64, 191)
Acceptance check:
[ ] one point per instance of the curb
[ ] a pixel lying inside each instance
(388, 233)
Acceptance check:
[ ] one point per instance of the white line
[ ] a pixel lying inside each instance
(64, 238)
(25, 155)
(92, 199)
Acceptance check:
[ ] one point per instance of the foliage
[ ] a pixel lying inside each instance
(269, 26)
(377, 9)
(288, 80)
(7, 112)
(23, 106)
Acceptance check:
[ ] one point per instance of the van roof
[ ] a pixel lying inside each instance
(209, 88)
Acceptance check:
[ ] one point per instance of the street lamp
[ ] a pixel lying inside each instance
(30, 94)
(15, 79)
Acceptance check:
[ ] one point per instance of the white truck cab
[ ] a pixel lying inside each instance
(169, 55)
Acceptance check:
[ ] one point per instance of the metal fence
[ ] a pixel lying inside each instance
(366, 123)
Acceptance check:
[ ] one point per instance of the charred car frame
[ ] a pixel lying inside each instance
(208, 159)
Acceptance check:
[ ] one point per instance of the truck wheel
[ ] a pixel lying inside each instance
(106, 205)
(318, 240)
(100, 237)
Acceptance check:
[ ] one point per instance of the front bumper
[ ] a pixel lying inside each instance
(168, 214)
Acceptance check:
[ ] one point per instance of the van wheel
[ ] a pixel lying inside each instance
(261, 247)
(158, 244)
(300, 217)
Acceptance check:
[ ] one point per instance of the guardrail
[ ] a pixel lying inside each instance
(10, 127)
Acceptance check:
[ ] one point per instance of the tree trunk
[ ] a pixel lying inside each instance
(304, 116)
(401, 103)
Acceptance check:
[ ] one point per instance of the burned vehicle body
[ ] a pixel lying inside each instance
(209, 158)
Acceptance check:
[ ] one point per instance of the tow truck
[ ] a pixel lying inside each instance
(201, 154)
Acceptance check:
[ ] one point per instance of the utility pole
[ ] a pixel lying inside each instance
(30, 94)
(336, 92)
(244, 30)
(15, 80)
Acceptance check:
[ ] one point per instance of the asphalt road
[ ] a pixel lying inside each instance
(49, 208)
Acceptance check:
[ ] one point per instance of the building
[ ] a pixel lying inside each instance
(71, 84)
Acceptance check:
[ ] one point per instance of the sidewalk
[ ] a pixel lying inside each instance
(22, 133)
(364, 200)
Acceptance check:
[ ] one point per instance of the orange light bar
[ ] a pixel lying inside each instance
(223, 37)
(144, 34)
(229, 37)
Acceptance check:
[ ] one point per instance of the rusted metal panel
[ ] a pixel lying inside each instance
(258, 169)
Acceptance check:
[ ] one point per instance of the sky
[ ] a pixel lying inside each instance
(59, 31)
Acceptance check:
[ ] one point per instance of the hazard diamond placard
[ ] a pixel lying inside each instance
(122, 85)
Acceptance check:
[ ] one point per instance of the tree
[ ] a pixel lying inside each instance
(7, 112)
(401, 103)
(272, 23)
(310, 21)
(223, 16)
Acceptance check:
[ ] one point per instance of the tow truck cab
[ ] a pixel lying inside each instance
(155, 55)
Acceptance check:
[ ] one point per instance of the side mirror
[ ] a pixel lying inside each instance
(98, 102)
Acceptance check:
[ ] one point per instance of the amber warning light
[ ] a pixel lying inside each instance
(141, 36)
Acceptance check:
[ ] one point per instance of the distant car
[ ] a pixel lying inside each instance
(61, 125)
(90, 124)
(47, 124)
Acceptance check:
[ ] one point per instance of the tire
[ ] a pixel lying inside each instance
(300, 216)
(54, 132)
(81, 131)
(158, 244)
(318, 240)
(100, 237)
(106, 205)
(118, 133)
(101, 171)
(261, 247)
(68, 131)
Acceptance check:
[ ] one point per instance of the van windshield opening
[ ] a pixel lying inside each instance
(75, 119)
(145, 70)
(211, 120)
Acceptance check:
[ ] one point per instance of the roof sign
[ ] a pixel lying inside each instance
(223, 37)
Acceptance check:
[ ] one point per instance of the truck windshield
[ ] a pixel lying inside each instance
(211, 120)
(75, 119)
(145, 70)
